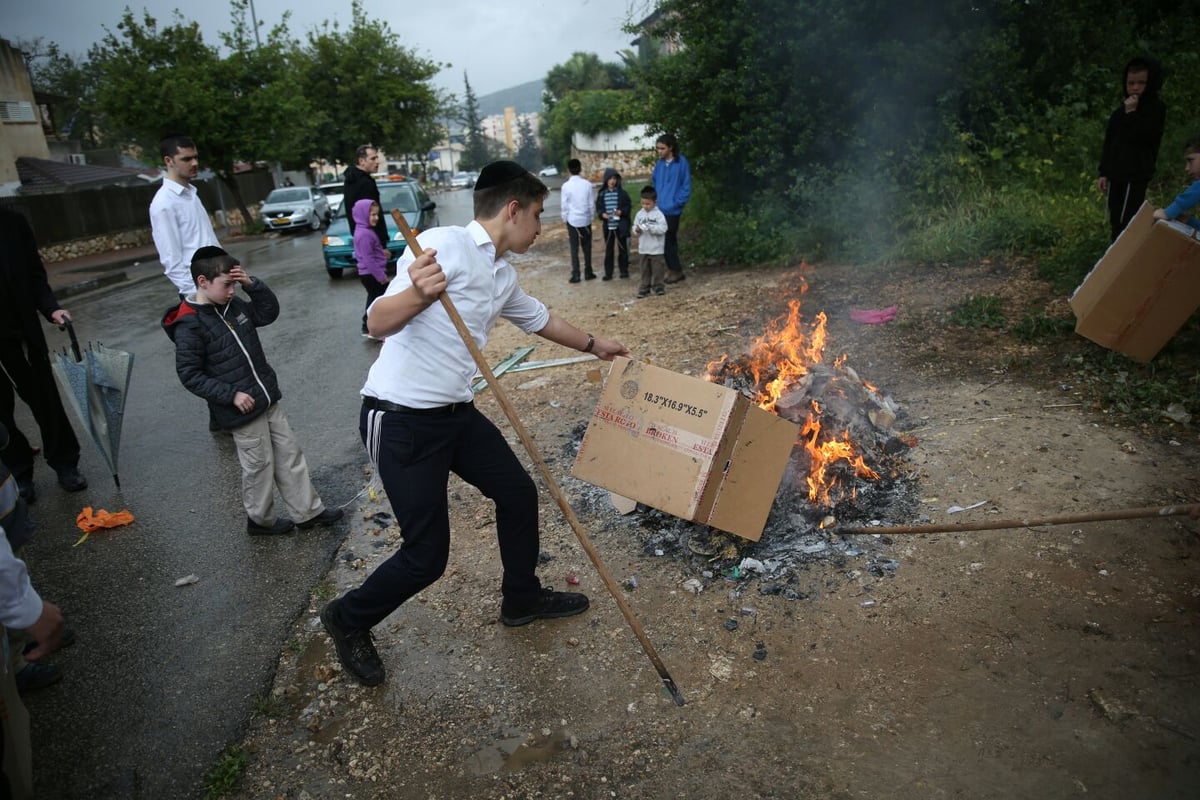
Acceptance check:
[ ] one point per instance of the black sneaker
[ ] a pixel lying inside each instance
(281, 525)
(642, 293)
(326, 517)
(354, 648)
(589, 276)
(659, 290)
(549, 605)
(574, 279)
(37, 675)
(70, 480)
(607, 276)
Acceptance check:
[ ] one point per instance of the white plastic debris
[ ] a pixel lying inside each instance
(956, 509)
(751, 565)
(694, 585)
(187, 580)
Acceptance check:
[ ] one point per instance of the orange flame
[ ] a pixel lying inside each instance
(777, 362)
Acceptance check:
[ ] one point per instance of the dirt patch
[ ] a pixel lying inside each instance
(1051, 662)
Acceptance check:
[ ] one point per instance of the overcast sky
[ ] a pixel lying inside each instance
(498, 43)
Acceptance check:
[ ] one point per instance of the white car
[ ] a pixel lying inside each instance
(295, 207)
(462, 180)
(333, 193)
(548, 171)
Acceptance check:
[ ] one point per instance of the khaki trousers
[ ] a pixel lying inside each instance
(18, 750)
(271, 459)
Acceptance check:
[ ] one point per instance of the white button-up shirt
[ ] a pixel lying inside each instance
(426, 364)
(578, 202)
(181, 227)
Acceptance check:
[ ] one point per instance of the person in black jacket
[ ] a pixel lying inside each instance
(359, 182)
(1131, 143)
(614, 208)
(219, 357)
(24, 292)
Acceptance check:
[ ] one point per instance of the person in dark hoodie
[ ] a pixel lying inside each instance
(358, 183)
(218, 357)
(614, 208)
(370, 256)
(1131, 142)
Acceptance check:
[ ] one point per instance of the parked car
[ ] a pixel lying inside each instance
(548, 171)
(462, 180)
(295, 207)
(420, 212)
(333, 193)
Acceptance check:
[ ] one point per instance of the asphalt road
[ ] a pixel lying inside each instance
(162, 678)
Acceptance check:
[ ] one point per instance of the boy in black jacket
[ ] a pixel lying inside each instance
(1131, 143)
(218, 357)
(614, 208)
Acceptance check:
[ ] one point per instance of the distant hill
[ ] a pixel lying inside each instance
(525, 98)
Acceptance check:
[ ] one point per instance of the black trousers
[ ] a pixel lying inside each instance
(614, 241)
(671, 243)
(415, 454)
(580, 237)
(30, 374)
(1124, 200)
(374, 290)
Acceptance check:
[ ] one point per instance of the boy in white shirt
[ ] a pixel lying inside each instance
(418, 422)
(650, 226)
(577, 204)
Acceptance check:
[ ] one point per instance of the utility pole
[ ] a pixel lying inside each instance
(254, 22)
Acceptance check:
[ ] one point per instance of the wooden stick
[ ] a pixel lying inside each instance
(1061, 519)
(534, 454)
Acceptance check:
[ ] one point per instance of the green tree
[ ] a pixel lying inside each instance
(584, 95)
(477, 151)
(364, 87)
(154, 80)
(71, 85)
(528, 153)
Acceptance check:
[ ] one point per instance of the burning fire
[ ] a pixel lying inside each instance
(777, 373)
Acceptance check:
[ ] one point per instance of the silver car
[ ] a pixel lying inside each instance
(295, 207)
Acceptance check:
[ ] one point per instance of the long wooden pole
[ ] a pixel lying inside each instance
(534, 454)
(1061, 519)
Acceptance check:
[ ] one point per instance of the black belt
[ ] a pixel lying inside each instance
(375, 404)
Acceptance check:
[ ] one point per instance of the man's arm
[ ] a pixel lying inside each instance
(170, 249)
(559, 331)
(389, 314)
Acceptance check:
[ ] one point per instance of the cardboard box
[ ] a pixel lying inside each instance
(686, 446)
(1142, 289)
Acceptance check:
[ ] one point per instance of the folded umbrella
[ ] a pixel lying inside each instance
(95, 383)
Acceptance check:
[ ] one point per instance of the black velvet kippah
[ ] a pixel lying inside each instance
(498, 173)
(209, 251)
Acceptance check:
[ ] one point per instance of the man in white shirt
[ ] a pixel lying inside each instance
(419, 424)
(577, 208)
(177, 217)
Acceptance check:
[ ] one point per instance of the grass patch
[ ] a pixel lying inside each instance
(226, 773)
(325, 591)
(1039, 327)
(269, 706)
(979, 311)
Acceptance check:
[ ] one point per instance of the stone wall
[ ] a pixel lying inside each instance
(124, 240)
(632, 164)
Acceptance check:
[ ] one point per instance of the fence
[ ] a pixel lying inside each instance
(88, 213)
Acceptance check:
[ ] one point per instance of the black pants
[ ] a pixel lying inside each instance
(415, 454)
(614, 241)
(1124, 200)
(580, 237)
(33, 379)
(374, 290)
(671, 243)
